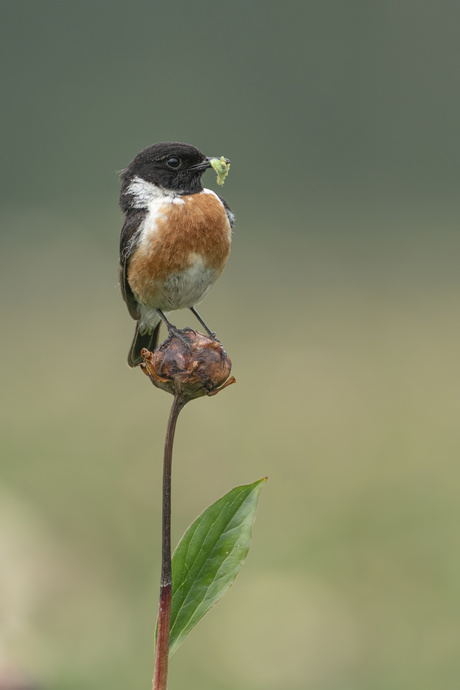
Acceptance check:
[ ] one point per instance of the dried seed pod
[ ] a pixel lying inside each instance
(188, 365)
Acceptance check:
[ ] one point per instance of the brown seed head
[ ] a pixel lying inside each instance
(189, 365)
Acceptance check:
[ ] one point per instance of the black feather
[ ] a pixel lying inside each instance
(148, 340)
(128, 241)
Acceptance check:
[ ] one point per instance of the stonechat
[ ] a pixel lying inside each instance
(175, 239)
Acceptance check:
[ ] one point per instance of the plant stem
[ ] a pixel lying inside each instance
(160, 677)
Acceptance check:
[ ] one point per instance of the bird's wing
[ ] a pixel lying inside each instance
(230, 215)
(128, 242)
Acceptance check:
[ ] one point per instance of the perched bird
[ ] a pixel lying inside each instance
(175, 240)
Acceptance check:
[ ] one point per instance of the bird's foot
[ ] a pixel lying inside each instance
(205, 326)
(174, 332)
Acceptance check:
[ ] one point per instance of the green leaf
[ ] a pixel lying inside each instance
(209, 557)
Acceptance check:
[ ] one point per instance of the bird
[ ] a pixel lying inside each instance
(175, 239)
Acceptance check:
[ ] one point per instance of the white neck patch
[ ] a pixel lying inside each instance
(145, 193)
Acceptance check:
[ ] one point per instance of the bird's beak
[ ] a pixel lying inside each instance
(204, 165)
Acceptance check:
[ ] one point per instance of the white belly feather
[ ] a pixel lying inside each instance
(180, 291)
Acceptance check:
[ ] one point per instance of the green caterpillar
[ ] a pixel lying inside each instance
(221, 166)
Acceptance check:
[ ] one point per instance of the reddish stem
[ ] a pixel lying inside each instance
(160, 678)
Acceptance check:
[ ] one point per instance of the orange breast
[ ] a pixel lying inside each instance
(173, 235)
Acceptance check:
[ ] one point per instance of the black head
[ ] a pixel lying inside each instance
(171, 165)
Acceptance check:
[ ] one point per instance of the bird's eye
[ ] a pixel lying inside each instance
(173, 162)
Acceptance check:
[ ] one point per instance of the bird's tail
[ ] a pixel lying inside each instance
(148, 340)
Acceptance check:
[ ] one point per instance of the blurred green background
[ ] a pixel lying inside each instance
(339, 309)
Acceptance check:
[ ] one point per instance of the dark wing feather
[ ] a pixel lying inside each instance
(128, 241)
(230, 216)
(148, 340)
